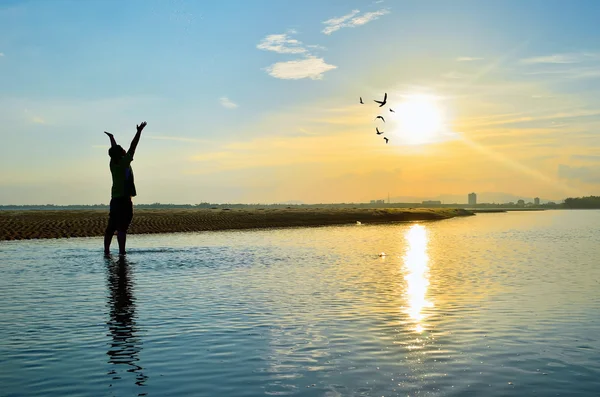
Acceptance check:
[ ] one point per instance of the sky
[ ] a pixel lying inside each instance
(258, 101)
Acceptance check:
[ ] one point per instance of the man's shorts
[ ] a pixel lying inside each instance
(121, 213)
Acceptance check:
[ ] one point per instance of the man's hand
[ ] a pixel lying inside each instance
(141, 126)
(136, 139)
(112, 139)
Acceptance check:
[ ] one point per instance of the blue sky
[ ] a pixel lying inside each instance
(256, 101)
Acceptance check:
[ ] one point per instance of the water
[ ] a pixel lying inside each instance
(491, 305)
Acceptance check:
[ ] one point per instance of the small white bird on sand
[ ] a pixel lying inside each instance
(382, 254)
(358, 222)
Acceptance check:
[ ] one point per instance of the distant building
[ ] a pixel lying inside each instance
(377, 201)
(432, 202)
(472, 199)
(536, 201)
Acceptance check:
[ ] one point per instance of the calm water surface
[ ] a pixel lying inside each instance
(491, 305)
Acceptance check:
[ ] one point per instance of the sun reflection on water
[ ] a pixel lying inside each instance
(417, 275)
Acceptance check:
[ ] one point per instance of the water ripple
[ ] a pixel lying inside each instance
(494, 305)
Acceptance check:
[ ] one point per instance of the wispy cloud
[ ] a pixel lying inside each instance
(554, 59)
(352, 20)
(585, 157)
(316, 47)
(1, 54)
(468, 59)
(336, 23)
(227, 103)
(583, 174)
(569, 72)
(311, 67)
(38, 120)
(281, 44)
(455, 75)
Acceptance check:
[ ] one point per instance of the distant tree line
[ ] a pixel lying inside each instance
(589, 202)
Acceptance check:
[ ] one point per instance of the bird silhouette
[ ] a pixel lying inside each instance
(386, 140)
(392, 110)
(361, 101)
(382, 103)
(378, 133)
(380, 117)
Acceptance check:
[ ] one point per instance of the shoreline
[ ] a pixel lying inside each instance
(51, 224)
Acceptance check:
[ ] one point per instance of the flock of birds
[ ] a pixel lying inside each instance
(381, 104)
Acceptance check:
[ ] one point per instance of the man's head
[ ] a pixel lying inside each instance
(116, 152)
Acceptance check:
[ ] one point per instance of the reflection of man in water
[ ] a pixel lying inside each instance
(123, 189)
(125, 344)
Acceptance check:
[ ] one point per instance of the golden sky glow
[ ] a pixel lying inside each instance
(272, 113)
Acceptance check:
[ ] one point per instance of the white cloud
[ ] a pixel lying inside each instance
(468, 59)
(556, 58)
(282, 44)
(227, 103)
(311, 67)
(352, 20)
(1, 54)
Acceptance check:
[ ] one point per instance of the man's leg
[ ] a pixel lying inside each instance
(110, 229)
(108, 239)
(125, 221)
(121, 238)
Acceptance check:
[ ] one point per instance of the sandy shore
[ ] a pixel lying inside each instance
(20, 225)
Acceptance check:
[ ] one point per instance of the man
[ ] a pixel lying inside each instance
(123, 189)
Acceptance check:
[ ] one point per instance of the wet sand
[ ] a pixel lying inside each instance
(34, 224)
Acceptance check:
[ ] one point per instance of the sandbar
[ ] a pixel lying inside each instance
(47, 224)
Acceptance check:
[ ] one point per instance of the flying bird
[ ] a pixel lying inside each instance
(392, 110)
(361, 101)
(380, 117)
(386, 140)
(382, 103)
(378, 133)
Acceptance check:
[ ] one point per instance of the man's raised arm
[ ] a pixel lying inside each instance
(112, 139)
(136, 139)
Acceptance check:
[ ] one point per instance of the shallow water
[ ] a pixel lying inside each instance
(493, 305)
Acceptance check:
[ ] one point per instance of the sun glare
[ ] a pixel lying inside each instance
(417, 275)
(419, 120)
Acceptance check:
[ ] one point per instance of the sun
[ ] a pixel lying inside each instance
(419, 119)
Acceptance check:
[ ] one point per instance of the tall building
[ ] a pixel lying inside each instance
(472, 199)
(536, 201)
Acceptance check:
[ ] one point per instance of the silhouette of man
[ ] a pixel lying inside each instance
(123, 189)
